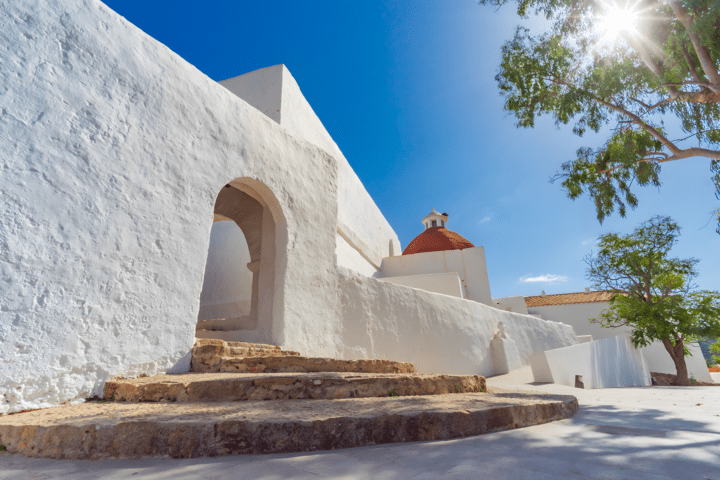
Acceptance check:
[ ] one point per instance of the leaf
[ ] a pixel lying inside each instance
(637, 84)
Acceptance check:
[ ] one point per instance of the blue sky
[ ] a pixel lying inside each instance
(407, 91)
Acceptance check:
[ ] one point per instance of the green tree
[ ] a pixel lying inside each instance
(646, 69)
(653, 293)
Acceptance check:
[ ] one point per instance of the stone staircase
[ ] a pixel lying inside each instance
(215, 356)
(254, 398)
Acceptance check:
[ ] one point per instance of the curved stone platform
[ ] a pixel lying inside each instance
(298, 364)
(184, 430)
(218, 356)
(209, 387)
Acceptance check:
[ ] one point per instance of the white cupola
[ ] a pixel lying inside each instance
(435, 219)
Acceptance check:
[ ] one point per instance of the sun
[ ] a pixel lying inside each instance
(616, 21)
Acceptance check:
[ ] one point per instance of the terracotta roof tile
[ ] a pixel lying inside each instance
(436, 239)
(568, 298)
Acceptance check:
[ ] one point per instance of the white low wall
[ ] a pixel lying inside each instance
(656, 356)
(468, 263)
(444, 283)
(438, 333)
(511, 304)
(659, 360)
(715, 377)
(606, 363)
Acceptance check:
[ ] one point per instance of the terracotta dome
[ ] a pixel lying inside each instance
(437, 239)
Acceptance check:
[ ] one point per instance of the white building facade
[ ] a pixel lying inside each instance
(577, 309)
(118, 159)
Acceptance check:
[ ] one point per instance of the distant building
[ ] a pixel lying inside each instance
(576, 309)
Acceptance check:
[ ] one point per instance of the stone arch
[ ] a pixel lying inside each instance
(253, 207)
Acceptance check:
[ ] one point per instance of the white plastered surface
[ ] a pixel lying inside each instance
(112, 151)
(444, 283)
(511, 304)
(357, 211)
(438, 333)
(607, 363)
(227, 282)
(655, 354)
(469, 264)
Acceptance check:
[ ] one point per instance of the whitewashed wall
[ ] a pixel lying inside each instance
(468, 263)
(438, 333)
(578, 315)
(607, 363)
(443, 283)
(351, 257)
(227, 282)
(274, 91)
(656, 356)
(113, 150)
(511, 304)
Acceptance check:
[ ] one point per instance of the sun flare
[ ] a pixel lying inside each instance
(616, 21)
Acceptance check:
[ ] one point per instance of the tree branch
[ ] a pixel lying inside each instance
(702, 52)
(691, 64)
(678, 153)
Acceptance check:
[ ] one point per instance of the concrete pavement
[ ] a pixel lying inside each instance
(622, 433)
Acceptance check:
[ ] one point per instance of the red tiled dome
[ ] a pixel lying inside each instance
(437, 239)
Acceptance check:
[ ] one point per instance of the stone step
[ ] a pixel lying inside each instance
(125, 430)
(213, 387)
(296, 364)
(229, 351)
(206, 356)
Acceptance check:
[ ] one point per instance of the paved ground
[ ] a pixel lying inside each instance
(625, 433)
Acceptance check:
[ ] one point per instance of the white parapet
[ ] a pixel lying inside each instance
(469, 264)
(445, 283)
(606, 363)
(660, 361)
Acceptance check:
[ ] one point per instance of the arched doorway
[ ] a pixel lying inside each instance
(241, 298)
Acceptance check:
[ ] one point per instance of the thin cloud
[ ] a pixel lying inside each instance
(589, 241)
(486, 219)
(550, 279)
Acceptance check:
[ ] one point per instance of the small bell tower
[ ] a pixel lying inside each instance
(435, 219)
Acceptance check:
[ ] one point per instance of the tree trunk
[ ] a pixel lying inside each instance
(678, 355)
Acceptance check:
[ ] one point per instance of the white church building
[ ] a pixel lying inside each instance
(144, 204)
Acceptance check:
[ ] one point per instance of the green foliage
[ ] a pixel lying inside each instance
(392, 392)
(665, 70)
(2, 448)
(653, 292)
(715, 348)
